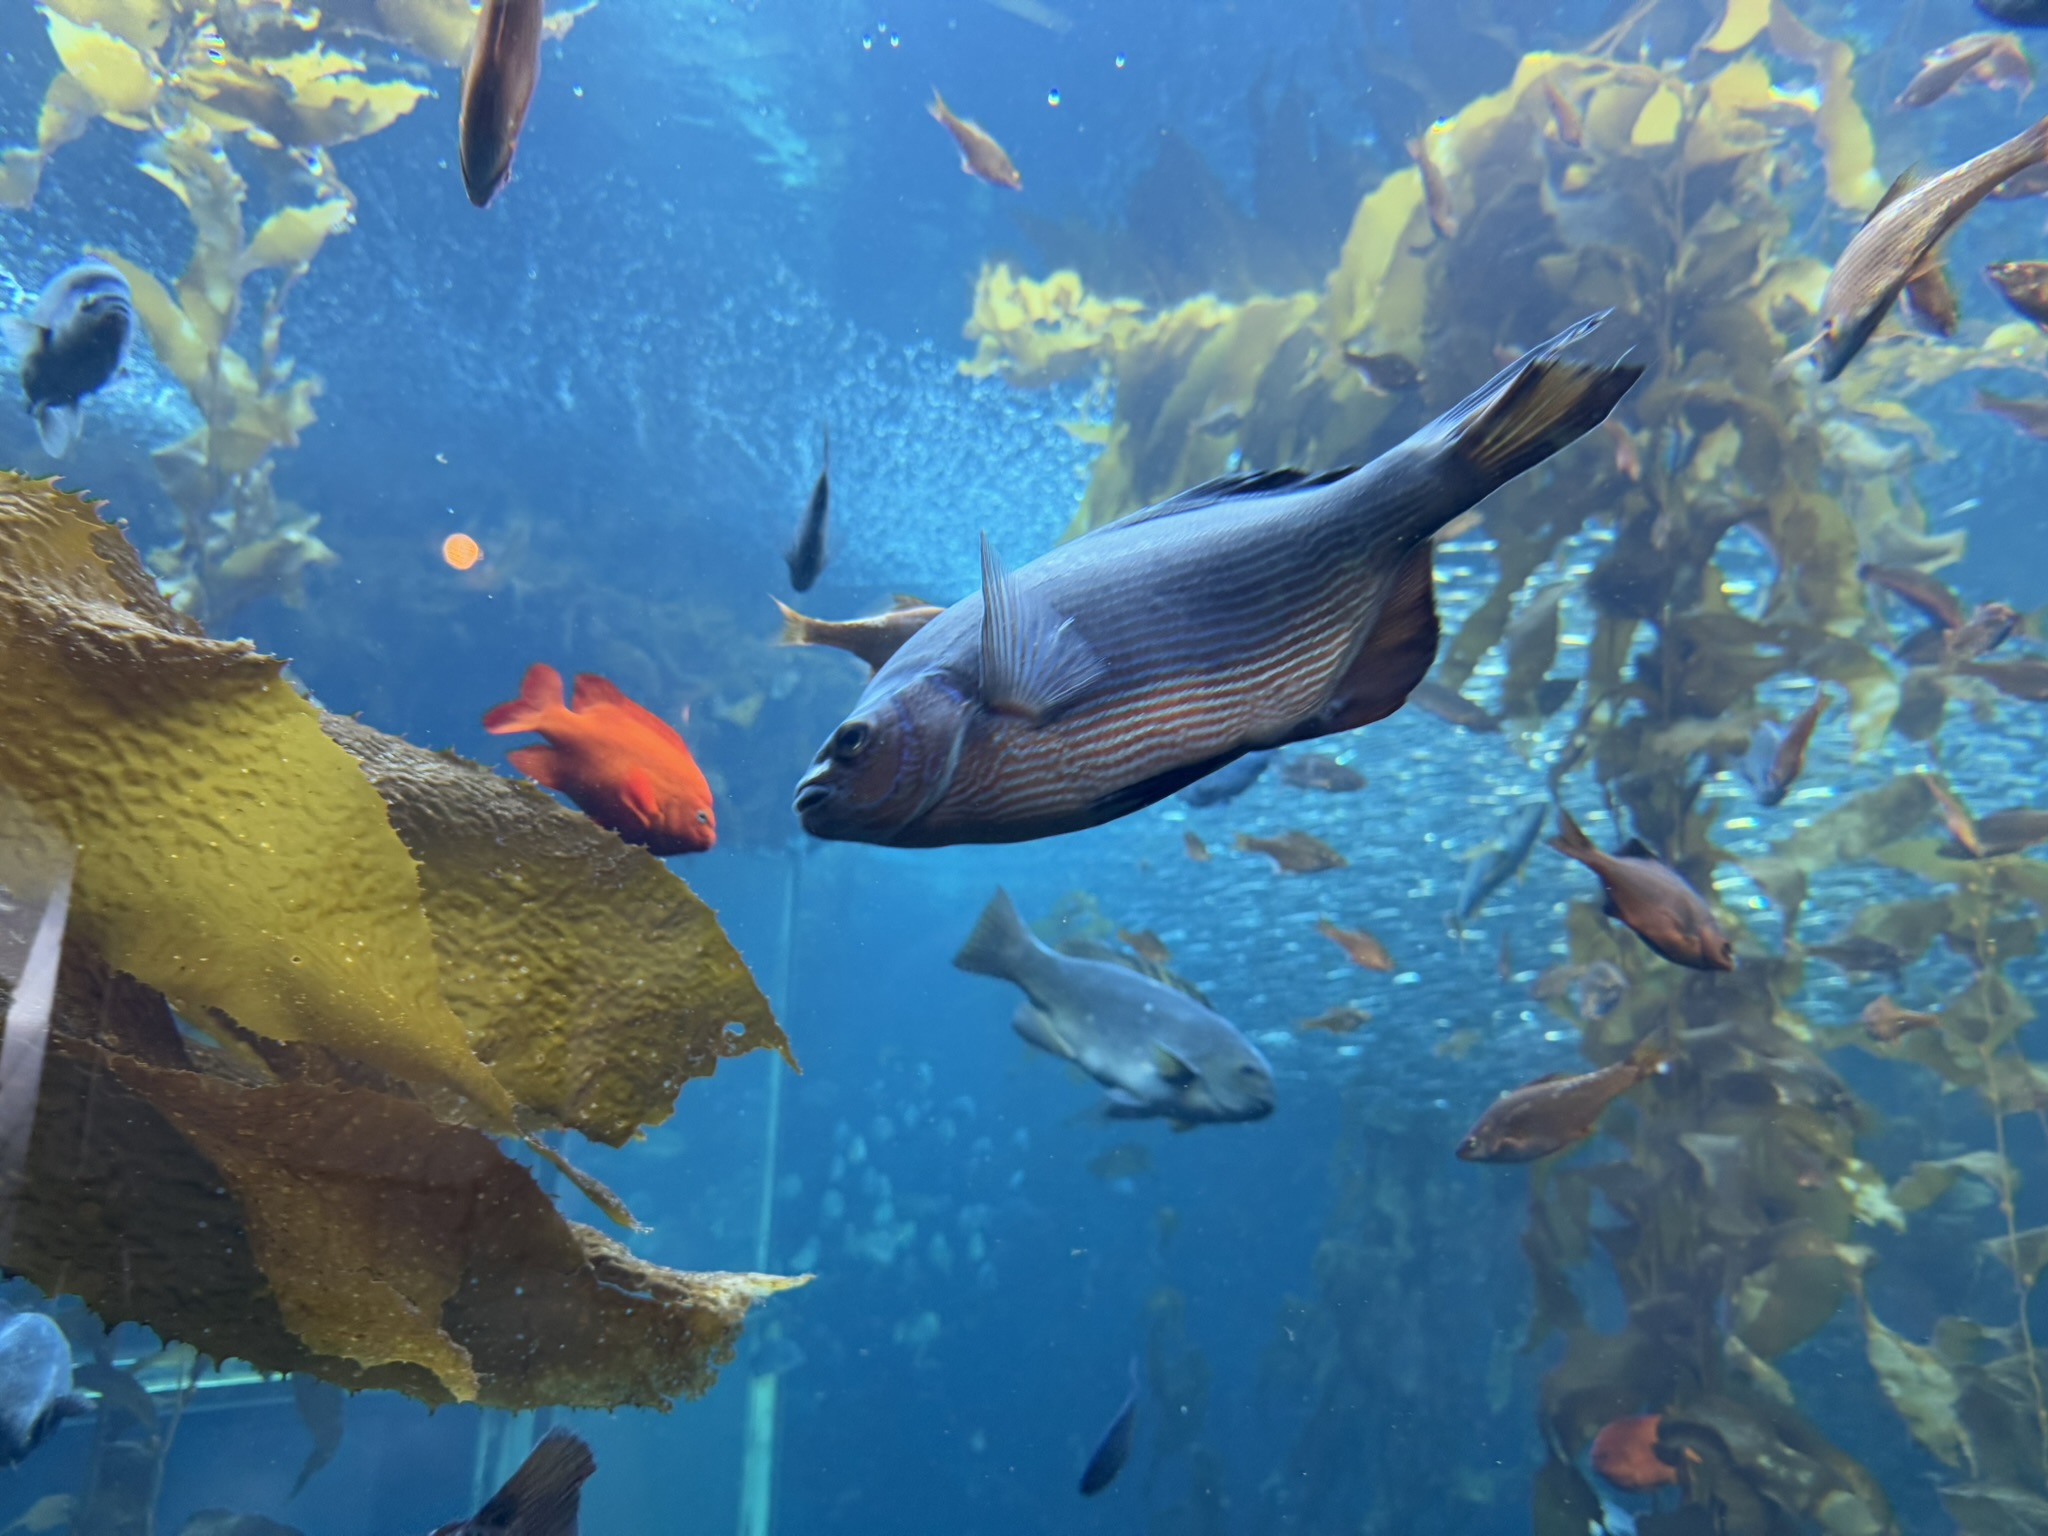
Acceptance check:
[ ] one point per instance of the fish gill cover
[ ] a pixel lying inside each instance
(380, 958)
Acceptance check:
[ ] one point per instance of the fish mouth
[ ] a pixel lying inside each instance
(810, 797)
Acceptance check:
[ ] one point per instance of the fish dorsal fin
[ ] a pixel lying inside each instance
(1252, 483)
(1903, 183)
(592, 689)
(902, 600)
(1549, 1077)
(1173, 1070)
(1033, 661)
(1636, 848)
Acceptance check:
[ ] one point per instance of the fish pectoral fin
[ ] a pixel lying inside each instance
(1172, 1069)
(23, 336)
(637, 793)
(1033, 661)
(541, 764)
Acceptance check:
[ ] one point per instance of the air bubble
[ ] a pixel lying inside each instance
(1052, 97)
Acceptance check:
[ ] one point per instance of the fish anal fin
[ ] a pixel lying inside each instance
(541, 764)
(636, 791)
(1034, 663)
(1395, 656)
(1902, 183)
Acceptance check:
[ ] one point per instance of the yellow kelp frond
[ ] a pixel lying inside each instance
(536, 979)
(231, 856)
(1849, 150)
(1036, 333)
(437, 30)
(144, 24)
(313, 97)
(122, 79)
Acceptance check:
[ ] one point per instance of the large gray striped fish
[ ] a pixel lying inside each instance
(1243, 614)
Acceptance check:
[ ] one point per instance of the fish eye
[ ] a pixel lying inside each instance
(850, 741)
(704, 818)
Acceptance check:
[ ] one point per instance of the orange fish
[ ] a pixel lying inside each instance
(1625, 1454)
(980, 154)
(626, 768)
(1360, 947)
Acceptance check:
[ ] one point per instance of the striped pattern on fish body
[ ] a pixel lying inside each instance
(1900, 235)
(1238, 616)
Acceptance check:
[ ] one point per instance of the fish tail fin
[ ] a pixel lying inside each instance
(544, 1496)
(21, 336)
(796, 627)
(58, 427)
(1653, 1053)
(1000, 944)
(937, 107)
(1571, 840)
(540, 696)
(1536, 405)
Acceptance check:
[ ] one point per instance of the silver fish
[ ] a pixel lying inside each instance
(71, 345)
(35, 1383)
(497, 88)
(1158, 1051)
(806, 557)
(1897, 240)
(1241, 615)
(543, 1498)
(1494, 867)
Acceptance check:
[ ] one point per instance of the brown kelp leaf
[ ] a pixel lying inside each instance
(1790, 1298)
(230, 855)
(1920, 1386)
(536, 978)
(1927, 1182)
(1852, 830)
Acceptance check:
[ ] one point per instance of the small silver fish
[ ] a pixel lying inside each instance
(497, 88)
(71, 345)
(1158, 1051)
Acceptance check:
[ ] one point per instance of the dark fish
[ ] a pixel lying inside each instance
(1247, 613)
(1436, 192)
(2027, 412)
(2016, 13)
(2003, 832)
(2024, 284)
(2015, 679)
(1360, 947)
(1931, 302)
(1293, 852)
(1157, 1050)
(2031, 182)
(70, 345)
(542, 1498)
(1858, 954)
(1388, 372)
(1452, 707)
(1899, 237)
(497, 88)
(1494, 866)
(1229, 781)
(35, 1383)
(1652, 898)
(1988, 628)
(874, 639)
(1602, 986)
(1554, 1112)
(1945, 68)
(1885, 1021)
(1775, 757)
(1317, 771)
(1955, 816)
(1115, 1447)
(806, 557)
(1341, 1020)
(1930, 595)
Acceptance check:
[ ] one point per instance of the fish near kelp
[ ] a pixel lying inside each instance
(2026, 680)
(625, 767)
(1897, 242)
(1145, 944)
(1652, 898)
(543, 1498)
(1776, 757)
(35, 1384)
(873, 639)
(1245, 614)
(1946, 67)
(1360, 947)
(807, 553)
(2029, 413)
(1887, 1023)
(497, 89)
(1932, 597)
(1316, 771)
(1293, 852)
(2023, 285)
(1989, 626)
(2002, 832)
(1436, 192)
(1555, 1111)
(1861, 954)
(980, 155)
(1624, 1454)
(1452, 707)
(1158, 1051)
(1496, 864)
(69, 346)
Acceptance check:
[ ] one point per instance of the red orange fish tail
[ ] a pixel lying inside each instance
(540, 694)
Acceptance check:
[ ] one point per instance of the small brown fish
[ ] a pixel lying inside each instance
(1929, 594)
(497, 88)
(1145, 944)
(1955, 816)
(1931, 302)
(1775, 760)
(1946, 68)
(1885, 1021)
(2027, 412)
(980, 154)
(1196, 848)
(808, 552)
(1341, 1020)
(1388, 372)
(2031, 182)
(1652, 898)
(1897, 239)
(874, 639)
(1360, 947)
(1858, 954)
(1316, 770)
(1987, 629)
(1554, 1112)
(1294, 853)
(2002, 832)
(1451, 706)
(1436, 192)
(1564, 117)
(1628, 460)
(2015, 679)
(1601, 989)
(2023, 284)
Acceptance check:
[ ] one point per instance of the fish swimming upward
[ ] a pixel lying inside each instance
(497, 88)
(543, 1498)
(807, 555)
(70, 346)
(623, 765)
(1158, 1051)
(1244, 614)
(1897, 243)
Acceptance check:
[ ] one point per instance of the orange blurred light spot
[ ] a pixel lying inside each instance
(461, 551)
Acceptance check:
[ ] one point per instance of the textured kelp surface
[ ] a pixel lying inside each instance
(379, 957)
